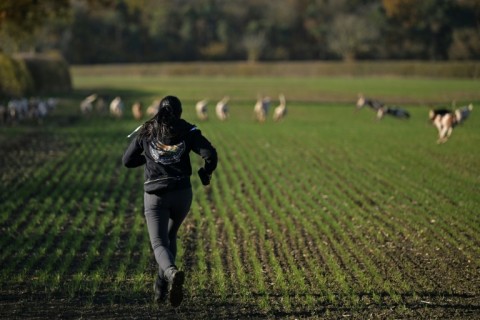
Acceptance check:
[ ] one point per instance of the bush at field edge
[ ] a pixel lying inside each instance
(15, 78)
(35, 74)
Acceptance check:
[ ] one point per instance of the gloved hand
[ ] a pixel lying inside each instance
(204, 176)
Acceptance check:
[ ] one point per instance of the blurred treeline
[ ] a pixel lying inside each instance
(103, 31)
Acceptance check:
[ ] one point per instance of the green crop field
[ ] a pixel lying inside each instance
(328, 214)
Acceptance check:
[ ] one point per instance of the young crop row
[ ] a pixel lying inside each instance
(68, 223)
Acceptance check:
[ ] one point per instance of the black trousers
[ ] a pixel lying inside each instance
(164, 215)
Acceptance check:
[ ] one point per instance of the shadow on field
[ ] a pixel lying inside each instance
(108, 305)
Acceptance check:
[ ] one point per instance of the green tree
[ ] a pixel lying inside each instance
(96, 31)
(466, 34)
(254, 44)
(419, 29)
(350, 35)
(21, 20)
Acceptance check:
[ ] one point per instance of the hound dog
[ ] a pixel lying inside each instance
(381, 109)
(137, 110)
(445, 120)
(201, 109)
(261, 108)
(221, 109)
(462, 113)
(397, 112)
(375, 105)
(281, 110)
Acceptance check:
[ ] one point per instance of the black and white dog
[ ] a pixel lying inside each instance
(462, 113)
(397, 112)
(381, 109)
(445, 120)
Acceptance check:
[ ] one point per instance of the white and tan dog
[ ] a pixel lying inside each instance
(261, 108)
(445, 120)
(221, 109)
(86, 106)
(116, 107)
(137, 110)
(281, 110)
(201, 109)
(153, 108)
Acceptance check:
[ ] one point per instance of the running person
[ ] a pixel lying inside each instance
(163, 146)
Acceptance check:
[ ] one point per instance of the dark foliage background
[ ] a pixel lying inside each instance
(108, 31)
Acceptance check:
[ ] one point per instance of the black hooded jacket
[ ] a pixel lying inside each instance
(167, 163)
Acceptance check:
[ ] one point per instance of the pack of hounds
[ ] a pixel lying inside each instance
(95, 103)
(444, 119)
(260, 110)
(18, 110)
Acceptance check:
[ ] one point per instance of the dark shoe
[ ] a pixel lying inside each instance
(160, 287)
(176, 279)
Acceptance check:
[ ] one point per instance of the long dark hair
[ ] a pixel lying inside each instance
(162, 124)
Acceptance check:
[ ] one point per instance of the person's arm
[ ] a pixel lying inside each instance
(204, 148)
(133, 156)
